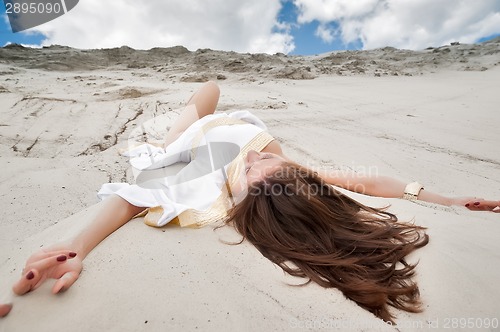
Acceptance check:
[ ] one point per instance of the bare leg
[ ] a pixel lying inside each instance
(203, 102)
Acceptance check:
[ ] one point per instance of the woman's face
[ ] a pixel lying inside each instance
(258, 165)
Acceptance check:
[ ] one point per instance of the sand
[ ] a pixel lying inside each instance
(429, 116)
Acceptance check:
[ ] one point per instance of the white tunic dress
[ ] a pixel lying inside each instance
(213, 147)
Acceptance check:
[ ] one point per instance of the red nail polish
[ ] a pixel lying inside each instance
(30, 275)
(61, 258)
(476, 203)
(72, 254)
(467, 205)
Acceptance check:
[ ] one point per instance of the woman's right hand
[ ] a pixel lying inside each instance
(63, 261)
(57, 263)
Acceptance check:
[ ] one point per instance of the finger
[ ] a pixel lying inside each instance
(5, 309)
(473, 203)
(486, 205)
(32, 279)
(65, 282)
(46, 254)
(47, 263)
(26, 283)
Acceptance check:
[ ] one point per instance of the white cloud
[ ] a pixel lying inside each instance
(330, 10)
(238, 25)
(410, 24)
(24, 45)
(324, 33)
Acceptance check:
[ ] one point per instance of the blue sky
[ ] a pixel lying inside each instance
(301, 27)
(6, 35)
(306, 42)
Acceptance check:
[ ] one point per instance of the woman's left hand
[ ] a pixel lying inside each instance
(477, 204)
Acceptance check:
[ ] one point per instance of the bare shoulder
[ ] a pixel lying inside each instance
(273, 147)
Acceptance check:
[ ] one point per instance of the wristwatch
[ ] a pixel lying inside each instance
(412, 190)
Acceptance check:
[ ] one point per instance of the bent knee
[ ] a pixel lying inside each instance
(213, 86)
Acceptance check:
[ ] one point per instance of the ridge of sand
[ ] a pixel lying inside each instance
(205, 64)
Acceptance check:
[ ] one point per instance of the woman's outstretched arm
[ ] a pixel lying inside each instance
(63, 261)
(383, 186)
(115, 213)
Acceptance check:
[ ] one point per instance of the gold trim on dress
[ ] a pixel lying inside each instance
(209, 125)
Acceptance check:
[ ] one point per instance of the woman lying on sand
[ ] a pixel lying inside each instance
(291, 214)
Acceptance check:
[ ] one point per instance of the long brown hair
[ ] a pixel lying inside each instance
(313, 231)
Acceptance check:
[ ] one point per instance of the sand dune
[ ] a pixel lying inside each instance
(426, 115)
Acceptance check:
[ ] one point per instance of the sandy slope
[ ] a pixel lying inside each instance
(64, 114)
